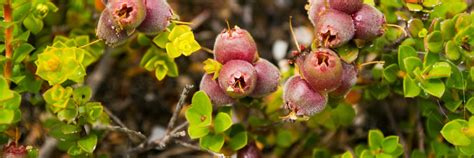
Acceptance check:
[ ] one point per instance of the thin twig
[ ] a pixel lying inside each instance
(294, 36)
(7, 18)
(195, 147)
(114, 118)
(123, 130)
(393, 124)
(91, 43)
(179, 106)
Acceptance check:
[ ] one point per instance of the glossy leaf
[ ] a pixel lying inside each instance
(222, 122)
(200, 112)
(88, 143)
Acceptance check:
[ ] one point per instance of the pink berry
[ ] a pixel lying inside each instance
(346, 6)
(158, 15)
(215, 93)
(235, 44)
(322, 69)
(368, 22)
(301, 99)
(316, 8)
(349, 79)
(268, 78)
(334, 28)
(14, 151)
(128, 14)
(109, 31)
(238, 78)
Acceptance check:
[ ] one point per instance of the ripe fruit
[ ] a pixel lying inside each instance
(238, 78)
(346, 6)
(158, 15)
(268, 77)
(322, 70)
(349, 78)
(316, 8)
(128, 14)
(301, 99)
(368, 22)
(235, 44)
(13, 151)
(215, 93)
(249, 151)
(107, 30)
(334, 28)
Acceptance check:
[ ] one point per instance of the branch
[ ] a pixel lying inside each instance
(7, 15)
(123, 130)
(195, 147)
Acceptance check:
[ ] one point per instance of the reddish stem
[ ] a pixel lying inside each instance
(7, 15)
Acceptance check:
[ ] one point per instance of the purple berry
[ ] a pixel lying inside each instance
(322, 69)
(128, 14)
(108, 31)
(235, 44)
(238, 78)
(268, 77)
(249, 151)
(346, 6)
(349, 79)
(158, 15)
(368, 22)
(215, 93)
(334, 28)
(301, 99)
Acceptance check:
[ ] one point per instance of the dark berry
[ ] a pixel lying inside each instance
(128, 14)
(322, 69)
(235, 44)
(368, 22)
(215, 93)
(346, 6)
(109, 31)
(334, 28)
(158, 15)
(301, 99)
(238, 78)
(349, 78)
(268, 77)
(249, 151)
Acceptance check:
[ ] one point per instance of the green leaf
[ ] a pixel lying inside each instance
(33, 24)
(452, 132)
(212, 66)
(68, 114)
(94, 111)
(405, 52)
(375, 139)
(431, 3)
(390, 143)
(222, 122)
(434, 87)
(82, 94)
(200, 112)
(434, 41)
(238, 141)
(179, 30)
(456, 80)
(348, 53)
(7, 116)
(415, 26)
(452, 50)
(410, 88)
(212, 142)
(384, 155)
(5, 90)
(411, 63)
(88, 143)
(448, 29)
(161, 39)
(197, 132)
(347, 154)
(172, 51)
(21, 52)
(414, 7)
(186, 44)
(390, 73)
(74, 150)
(463, 20)
(143, 40)
(468, 150)
(161, 69)
(439, 70)
(470, 105)
(284, 138)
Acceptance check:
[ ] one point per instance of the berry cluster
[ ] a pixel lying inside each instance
(339, 21)
(243, 73)
(121, 18)
(322, 72)
(13, 150)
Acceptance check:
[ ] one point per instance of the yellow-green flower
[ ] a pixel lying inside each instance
(56, 65)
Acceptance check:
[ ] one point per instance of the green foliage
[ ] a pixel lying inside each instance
(380, 146)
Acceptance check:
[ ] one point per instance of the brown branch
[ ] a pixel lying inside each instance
(7, 15)
(195, 147)
(121, 129)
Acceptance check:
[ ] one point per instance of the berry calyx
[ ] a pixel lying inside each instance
(109, 31)
(322, 69)
(334, 29)
(128, 14)
(235, 44)
(238, 78)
